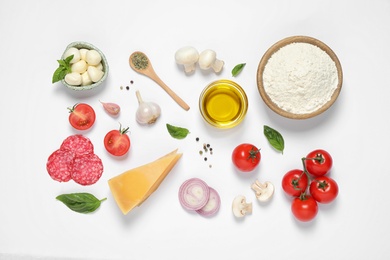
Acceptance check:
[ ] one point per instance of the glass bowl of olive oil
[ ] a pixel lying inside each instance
(223, 104)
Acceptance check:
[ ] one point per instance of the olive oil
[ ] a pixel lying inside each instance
(223, 104)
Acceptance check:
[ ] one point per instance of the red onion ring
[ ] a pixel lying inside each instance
(212, 206)
(194, 194)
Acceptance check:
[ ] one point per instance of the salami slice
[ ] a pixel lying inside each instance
(78, 144)
(60, 165)
(87, 169)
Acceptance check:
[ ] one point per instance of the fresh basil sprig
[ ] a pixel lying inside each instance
(80, 202)
(274, 138)
(177, 132)
(237, 69)
(63, 69)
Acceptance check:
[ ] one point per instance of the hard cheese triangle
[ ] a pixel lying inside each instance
(133, 187)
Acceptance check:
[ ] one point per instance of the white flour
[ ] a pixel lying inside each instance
(300, 78)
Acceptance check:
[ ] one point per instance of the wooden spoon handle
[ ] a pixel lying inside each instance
(171, 93)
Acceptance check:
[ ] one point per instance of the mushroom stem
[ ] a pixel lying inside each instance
(246, 207)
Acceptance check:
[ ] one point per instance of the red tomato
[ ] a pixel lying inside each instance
(82, 116)
(117, 142)
(246, 157)
(324, 189)
(304, 208)
(295, 182)
(318, 162)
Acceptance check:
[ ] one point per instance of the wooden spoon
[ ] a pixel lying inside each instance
(140, 63)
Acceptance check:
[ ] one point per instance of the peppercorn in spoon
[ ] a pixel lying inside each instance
(140, 63)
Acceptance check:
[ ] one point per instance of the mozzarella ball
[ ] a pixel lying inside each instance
(93, 57)
(95, 74)
(99, 66)
(85, 79)
(72, 51)
(83, 53)
(80, 66)
(73, 78)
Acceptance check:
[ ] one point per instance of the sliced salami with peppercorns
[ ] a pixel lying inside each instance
(79, 144)
(60, 165)
(87, 169)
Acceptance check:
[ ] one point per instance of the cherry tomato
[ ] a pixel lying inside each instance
(117, 142)
(82, 116)
(318, 162)
(304, 208)
(246, 157)
(295, 182)
(324, 189)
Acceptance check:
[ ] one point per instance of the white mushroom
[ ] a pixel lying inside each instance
(187, 56)
(240, 207)
(264, 191)
(208, 59)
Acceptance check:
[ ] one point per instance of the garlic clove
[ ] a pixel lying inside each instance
(111, 108)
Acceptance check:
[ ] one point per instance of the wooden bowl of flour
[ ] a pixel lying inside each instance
(299, 77)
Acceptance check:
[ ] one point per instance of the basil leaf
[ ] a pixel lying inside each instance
(63, 69)
(274, 138)
(177, 132)
(80, 202)
(237, 69)
(68, 59)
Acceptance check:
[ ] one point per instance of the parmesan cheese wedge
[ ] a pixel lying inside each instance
(133, 187)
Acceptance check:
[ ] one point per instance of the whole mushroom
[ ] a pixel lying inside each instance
(208, 59)
(187, 56)
(240, 207)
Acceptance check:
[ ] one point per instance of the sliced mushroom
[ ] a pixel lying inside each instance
(263, 191)
(240, 207)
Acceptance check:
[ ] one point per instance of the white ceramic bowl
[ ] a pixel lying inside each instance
(85, 45)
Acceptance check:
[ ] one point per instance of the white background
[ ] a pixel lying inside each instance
(34, 225)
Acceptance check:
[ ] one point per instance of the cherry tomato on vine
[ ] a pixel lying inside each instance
(82, 116)
(295, 182)
(117, 142)
(304, 208)
(318, 162)
(246, 157)
(324, 189)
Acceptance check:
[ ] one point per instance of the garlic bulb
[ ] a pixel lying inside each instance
(147, 112)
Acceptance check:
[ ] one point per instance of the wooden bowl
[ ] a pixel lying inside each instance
(276, 47)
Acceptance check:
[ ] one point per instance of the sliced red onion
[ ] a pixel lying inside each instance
(212, 206)
(194, 194)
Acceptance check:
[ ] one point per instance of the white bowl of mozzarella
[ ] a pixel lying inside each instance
(89, 67)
